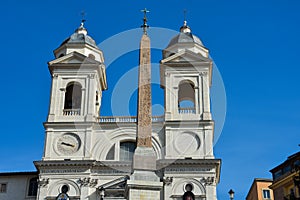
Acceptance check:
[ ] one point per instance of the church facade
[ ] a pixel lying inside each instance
(88, 156)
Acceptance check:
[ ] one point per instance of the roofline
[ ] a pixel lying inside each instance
(263, 179)
(258, 180)
(19, 173)
(289, 158)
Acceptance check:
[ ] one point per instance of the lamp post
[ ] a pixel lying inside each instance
(231, 194)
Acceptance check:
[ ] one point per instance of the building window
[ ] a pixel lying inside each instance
(127, 150)
(286, 169)
(277, 174)
(73, 99)
(111, 153)
(297, 163)
(266, 194)
(33, 187)
(189, 187)
(186, 97)
(3, 188)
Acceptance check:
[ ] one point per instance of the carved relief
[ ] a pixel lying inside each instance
(168, 180)
(87, 182)
(43, 182)
(92, 76)
(144, 142)
(144, 96)
(207, 180)
(203, 73)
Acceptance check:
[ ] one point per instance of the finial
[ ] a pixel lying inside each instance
(184, 18)
(145, 25)
(185, 28)
(81, 29)
(82, 19)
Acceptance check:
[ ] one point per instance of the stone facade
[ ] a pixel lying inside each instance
(91, 155)
(87, 156)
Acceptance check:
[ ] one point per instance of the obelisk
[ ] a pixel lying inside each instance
(144, 183)
(144, 111)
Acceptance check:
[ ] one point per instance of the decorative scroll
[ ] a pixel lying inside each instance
(208, 180)
(43, 182)
(87, 182)
(168, 180)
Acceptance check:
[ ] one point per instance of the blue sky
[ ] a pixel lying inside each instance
(255, 45)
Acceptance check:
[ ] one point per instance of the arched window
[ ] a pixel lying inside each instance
(186, 97)
(73, 96)
(73, 99)
(126, 150)
(33, 187)
(111, 153)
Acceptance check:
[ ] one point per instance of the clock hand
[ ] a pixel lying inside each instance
(67, 144)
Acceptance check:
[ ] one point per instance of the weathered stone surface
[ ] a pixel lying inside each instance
(144, 159)
(144, 95)
(146, 190)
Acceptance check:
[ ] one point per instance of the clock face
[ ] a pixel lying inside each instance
(68, 143)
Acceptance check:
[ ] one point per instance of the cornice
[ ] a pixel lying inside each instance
(63, 163)
(178, 162)
(280, 182)
(189, 122)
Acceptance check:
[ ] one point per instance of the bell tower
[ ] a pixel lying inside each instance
(78, 79)
(186, 77)
(186, 73)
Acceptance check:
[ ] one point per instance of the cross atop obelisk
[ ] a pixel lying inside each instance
(145, 25)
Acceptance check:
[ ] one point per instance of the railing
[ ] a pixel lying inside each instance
(126, 119)
(71, 112)
(188, 110)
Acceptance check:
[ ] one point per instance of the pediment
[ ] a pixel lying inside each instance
(73, 58)
(185, 56)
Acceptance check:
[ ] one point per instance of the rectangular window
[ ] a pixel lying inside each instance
(3, 187)
(297, 163)
(287, 169)
(266, 194)
(33, 186)
(277, 174)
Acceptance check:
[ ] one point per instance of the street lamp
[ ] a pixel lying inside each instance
(231, 194)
